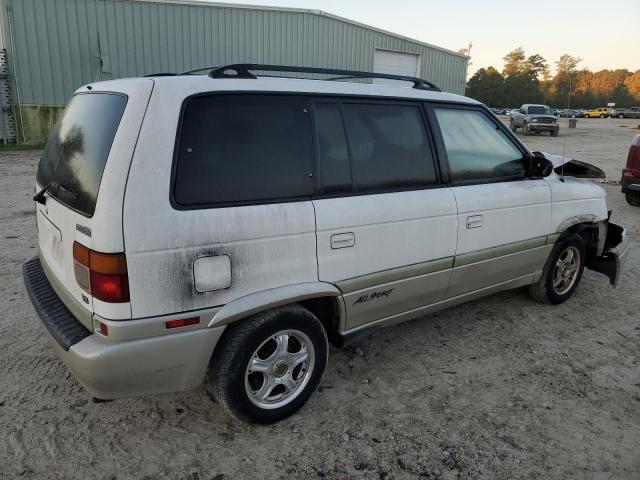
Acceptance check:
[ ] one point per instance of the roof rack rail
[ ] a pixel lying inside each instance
(243, 70)
(160, 74)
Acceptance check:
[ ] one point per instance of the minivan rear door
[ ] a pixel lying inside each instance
(386, 227)
(84, 167)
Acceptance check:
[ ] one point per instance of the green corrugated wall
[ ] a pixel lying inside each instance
(55, 46)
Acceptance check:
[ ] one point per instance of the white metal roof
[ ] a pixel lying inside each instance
(185, 85)
(207, 3)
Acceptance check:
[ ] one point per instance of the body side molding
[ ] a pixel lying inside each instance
(273, 297)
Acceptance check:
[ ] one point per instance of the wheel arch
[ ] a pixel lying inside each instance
(321, 298)
(592, 230)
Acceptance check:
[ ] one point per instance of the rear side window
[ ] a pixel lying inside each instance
(243, 148)
(76, 151)
(386, 147)
(476, 148)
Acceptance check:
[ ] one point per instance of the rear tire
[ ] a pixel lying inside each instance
(561, 273)
(633, 198)
(268, 365)
(602, 115)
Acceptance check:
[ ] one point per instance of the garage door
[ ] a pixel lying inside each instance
(397, 63)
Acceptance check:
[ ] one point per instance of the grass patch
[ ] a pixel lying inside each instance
(12, 147)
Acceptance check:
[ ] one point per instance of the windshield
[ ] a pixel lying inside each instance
(540, 110)
(77, 149)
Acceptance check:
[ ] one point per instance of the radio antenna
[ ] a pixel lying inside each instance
(564, 149)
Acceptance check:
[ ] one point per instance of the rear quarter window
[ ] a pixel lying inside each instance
(76, 152)
(243, 149)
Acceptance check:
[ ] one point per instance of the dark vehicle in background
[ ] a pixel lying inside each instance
(633, 112)
(533, 118)
(569, 113)
(631, 174)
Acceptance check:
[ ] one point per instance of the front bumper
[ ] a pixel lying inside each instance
(616, 249)
(113, 369)
(542, 127)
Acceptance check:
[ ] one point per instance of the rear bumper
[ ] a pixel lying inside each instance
(630, 184)
(113, 369)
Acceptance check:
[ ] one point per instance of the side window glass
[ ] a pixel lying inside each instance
(388, 147)
(333, 156)
(244, 149)
(476, 148)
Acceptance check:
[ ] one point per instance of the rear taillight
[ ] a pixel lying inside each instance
(633, 159)
(102, 275)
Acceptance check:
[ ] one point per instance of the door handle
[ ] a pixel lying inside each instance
(342, 240)
(474, 221)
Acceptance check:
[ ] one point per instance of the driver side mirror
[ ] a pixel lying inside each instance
(539, 166)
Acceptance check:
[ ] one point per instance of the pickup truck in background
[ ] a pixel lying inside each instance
(633, 112)
(534, 118)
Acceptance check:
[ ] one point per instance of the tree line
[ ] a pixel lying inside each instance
(528, 80)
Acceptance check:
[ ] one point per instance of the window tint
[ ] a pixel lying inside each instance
(476, 148)
(333, 156)
(77, 149)
(243, 148)
(388, 147)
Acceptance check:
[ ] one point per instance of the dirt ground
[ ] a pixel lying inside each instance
(501, 388)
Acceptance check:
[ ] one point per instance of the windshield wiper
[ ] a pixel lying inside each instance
(41, 199)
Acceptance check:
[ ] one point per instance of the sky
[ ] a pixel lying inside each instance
(604, 33)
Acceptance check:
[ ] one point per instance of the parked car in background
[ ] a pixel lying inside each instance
(510, 112)
(597, 113)
(633, 112)
(569, 113)
(631, 174)
(235, 224)
(533, 118)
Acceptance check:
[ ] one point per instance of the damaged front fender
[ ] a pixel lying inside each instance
(570, 167)
(616, 248)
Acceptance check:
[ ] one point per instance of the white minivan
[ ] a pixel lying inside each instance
(234, 223)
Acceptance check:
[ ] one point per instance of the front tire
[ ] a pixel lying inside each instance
(268, 365)
(562, 272)
(554, 133)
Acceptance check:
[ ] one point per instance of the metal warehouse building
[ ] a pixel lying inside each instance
(52, 47)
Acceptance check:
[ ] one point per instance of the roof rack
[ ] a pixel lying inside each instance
(243, 70)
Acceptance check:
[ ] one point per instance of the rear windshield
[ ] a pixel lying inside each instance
(76, 152)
